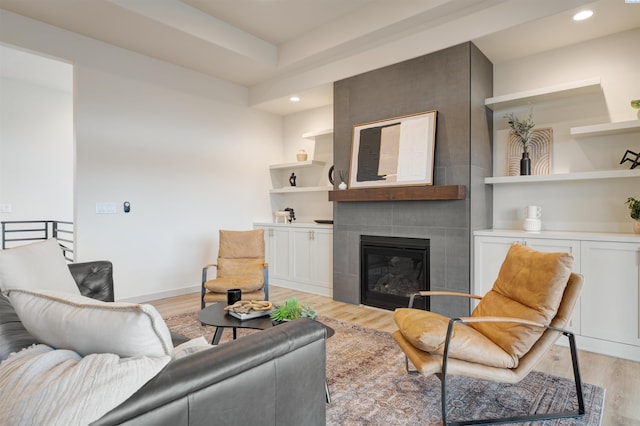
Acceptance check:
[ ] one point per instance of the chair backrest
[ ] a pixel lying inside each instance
(241, 254)
(530, 285)
(549, 337)
(241, 244)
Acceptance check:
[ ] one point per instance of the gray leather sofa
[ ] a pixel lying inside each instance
(272, 377)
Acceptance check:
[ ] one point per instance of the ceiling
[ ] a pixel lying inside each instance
(278, 48)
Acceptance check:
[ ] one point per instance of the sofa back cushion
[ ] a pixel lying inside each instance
(530, 286)
(37, 266)
(86, 326)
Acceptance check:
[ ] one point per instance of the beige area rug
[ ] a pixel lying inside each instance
(369, 384)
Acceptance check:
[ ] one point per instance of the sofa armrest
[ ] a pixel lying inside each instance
(94, 279)
(271, 377)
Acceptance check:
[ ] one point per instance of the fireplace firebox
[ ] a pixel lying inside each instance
(392, 269)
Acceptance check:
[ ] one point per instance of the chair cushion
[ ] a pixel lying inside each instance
(427, 331)
(529, 286)
(245, 274)
(35, 266)
(86, 326)
(241, 244)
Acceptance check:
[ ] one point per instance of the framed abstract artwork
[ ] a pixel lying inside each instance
(394, 152)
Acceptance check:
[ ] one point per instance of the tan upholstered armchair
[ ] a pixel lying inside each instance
(241, 264)
(508, 333)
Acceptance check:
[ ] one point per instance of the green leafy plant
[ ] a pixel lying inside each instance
(292, 309)
(522, 127)
(634, 207)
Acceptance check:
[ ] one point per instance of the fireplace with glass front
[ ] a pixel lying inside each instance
(392, 269)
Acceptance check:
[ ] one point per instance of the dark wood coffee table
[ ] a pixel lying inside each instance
(216, 316)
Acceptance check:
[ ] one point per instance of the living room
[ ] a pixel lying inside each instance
(191, 154)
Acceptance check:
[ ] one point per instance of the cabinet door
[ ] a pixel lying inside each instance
(322, 255)
(313, 256)
(610, 296)
(564, 246)
(302, 257)
(489, 253)
(278, 252)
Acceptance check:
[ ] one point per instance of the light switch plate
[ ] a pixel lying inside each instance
(105, 208)
(5, 208)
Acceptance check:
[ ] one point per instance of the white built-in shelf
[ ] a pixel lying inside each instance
(299, 189)
(314, 135)
(297, 164)
(572, 88)
(607, 129)
(599, 174)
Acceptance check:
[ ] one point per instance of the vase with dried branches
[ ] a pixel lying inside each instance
(523, 129)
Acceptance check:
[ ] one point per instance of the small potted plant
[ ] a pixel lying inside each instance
(292, 309)
(523, 129)
(634, 212)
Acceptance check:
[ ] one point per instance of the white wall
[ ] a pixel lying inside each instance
(182, 147)
(36, 151)
(313, 205)
(591, 205)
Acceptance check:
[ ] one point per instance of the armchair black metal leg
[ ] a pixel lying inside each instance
(528, 418)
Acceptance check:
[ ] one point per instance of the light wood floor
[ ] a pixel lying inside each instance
(620, 378)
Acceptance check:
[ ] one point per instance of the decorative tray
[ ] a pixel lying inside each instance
(250, 315)
(324, 221)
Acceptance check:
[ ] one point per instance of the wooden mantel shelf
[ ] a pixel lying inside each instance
(401, 193)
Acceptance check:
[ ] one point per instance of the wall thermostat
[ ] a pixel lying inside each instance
(127, 207)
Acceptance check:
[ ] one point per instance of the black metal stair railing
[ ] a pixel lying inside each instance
(17, 232)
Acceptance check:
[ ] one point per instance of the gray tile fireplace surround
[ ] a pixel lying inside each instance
(439, 221)
(455, 82)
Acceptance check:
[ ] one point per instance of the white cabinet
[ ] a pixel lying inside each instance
(611, 293)
(300, 256)
(313, 256)
(278, 252)
(490, 252)
(607, 317)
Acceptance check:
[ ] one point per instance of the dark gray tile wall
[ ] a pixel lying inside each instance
(455, 82)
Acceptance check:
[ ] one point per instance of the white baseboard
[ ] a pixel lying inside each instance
(161, 295)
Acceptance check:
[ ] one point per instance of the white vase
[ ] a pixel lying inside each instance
(342, 186)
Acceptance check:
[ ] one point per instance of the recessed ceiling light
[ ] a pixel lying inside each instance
(294, 99)
(582, 15)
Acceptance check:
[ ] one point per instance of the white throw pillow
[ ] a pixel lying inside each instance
(191, 347)
(36, 266)
(87, 326)
(43, 386)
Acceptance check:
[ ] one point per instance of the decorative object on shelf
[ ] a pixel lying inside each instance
(292, 179)
(292, 214)
(525, 164)
(635, 104)
(629, 156)
(532, 221)
(634, 213)
(538, 152)
(342, 186)
(331, 172)
(280, 214)
(301, 155)
(521, 129)
(292, 309)
(394, 152)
